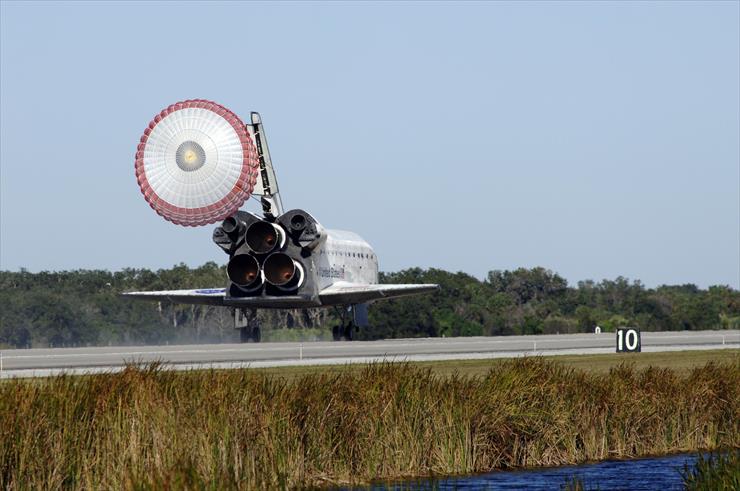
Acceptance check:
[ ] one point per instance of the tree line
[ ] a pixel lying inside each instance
(83, 307)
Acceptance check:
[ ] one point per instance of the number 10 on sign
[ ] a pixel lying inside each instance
(628, 340)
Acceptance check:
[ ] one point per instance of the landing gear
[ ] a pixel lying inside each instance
(344, 332)
(349, 331)
(247, 334)
(246, 321)
(348, 327)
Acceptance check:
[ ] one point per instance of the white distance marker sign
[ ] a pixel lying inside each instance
(196, 163)
(628, 340)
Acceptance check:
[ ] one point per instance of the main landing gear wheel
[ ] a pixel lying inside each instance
(348, 327)
(246, 321)
(247, 334)
(349, 332)
(344, 333)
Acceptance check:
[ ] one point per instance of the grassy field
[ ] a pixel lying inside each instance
(259, 429)
(681, 361)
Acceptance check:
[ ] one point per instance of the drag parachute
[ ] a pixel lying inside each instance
(196, 163)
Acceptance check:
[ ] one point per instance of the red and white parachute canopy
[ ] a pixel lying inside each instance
(196, 164)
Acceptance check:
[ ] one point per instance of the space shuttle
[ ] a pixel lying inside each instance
(196, 164)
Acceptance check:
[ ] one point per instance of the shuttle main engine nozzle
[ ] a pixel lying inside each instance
(244, 271)
(233, 227)
(283, 272)
(264, 237)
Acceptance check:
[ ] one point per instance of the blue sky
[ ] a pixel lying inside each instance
(595, 139)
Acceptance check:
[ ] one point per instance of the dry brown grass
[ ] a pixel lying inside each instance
(246, 429)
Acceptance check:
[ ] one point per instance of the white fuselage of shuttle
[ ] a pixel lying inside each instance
(346, 257)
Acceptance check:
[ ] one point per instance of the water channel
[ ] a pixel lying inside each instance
(654, 473)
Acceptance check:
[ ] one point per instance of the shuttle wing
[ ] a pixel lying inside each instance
(340, 293)
(207, 296)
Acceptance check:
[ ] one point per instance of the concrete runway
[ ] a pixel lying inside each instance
(44, 362)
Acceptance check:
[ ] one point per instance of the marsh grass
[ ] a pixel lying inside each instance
(575, 483)
(715, 472)
(149, 428)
